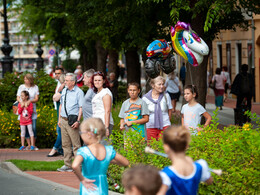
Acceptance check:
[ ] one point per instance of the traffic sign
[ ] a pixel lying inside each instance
(51, 52)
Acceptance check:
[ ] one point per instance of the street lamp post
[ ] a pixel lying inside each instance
(7, 60)
(39, 51)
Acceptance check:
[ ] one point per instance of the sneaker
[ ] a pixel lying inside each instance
(22, 148)
(36, 148)
(32, 148)
(65, 168)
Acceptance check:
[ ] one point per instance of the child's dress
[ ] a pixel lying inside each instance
(92, 168)
(188, 185)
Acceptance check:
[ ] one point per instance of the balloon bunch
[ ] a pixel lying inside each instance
(159, 58)
(185, 42)
(188, 44)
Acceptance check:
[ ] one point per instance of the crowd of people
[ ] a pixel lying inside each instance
(150, 116)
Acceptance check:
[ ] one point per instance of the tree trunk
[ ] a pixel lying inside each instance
(133, 66)
(101, 57)
(198, 75)
(113, 62)
(88, 57)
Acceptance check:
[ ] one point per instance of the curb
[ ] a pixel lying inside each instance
(11, 168)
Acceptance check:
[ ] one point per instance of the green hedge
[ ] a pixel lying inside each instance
(10, 83)
(235, 150)
(46, 128)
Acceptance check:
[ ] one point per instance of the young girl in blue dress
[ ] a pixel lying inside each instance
(94, 158)
(184, 175)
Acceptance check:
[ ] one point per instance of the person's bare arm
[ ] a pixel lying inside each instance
(163, 190)
(18, 99)
(89, 184)
(107, 102)
(170, 114)
(209, 181)
(182, 120)
(122, 124)
(34, 100)
(208, 118)
(143, 120)
(120, 160)
(59, 115)
(61, 87)
(76, 124)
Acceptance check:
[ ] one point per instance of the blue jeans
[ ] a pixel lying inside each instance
(58, 145)
(34, 129)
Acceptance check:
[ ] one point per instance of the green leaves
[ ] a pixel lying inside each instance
(235, 150)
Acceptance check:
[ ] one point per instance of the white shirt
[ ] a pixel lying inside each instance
(165, 106)
(98, 105)
(33, 91)
(226, 74)
(56, 91)
(172, 86)
(192, 116)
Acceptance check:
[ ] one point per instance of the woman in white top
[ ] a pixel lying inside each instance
(219, 88)
(160, 108)
(173, 88)
(34, 97)
(228, 82)
(102, 101)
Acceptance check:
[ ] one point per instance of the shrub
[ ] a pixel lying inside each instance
(235, 150)
(122, 91)
(70, 65)
(10, 83)
(46, 128)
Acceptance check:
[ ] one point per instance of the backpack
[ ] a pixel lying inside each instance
(245, 85)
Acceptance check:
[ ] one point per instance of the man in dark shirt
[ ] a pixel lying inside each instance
(183, 74)
(113, 83)
(243, 87)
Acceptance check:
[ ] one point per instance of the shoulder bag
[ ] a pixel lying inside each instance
(212, 85)
(71, 118)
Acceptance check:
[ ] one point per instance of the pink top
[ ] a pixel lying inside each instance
(220, 81)
(25, 114)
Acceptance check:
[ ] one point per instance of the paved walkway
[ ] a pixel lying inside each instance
(63, 178)
(68, 179)
(226, 117)
(231, 103)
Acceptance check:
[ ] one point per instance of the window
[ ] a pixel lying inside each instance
(249, 55)
(238, 57)
(228, 54)
(219, 56)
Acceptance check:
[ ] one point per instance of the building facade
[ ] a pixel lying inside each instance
(234, 48)
(23, 48)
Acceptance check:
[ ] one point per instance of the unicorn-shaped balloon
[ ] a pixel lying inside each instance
(188, 44)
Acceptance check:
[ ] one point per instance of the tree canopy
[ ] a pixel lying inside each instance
(133, 24)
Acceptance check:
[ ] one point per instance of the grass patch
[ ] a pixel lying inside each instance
(26, 165)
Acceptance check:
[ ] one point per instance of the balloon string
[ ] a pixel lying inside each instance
(148, 80)
(190, 75)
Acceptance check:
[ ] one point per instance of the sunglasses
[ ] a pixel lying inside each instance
(99, 73)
